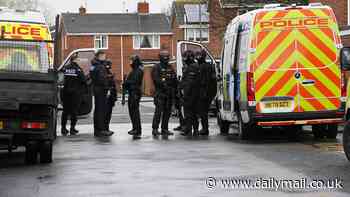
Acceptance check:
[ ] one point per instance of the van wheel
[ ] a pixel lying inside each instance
(319, 131)
(245, 131)
(46, 152)
(31, 154)
(346, 140)
(332, 131)
(223, 124)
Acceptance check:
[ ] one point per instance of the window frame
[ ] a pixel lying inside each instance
(155, 45)
(99, 38)
(196, 34)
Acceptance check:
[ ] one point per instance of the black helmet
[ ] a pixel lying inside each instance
(99, 52)
(188, 57)
(164, 57)
(201, 56)
(136, 61)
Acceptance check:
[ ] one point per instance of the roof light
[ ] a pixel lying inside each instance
(270, 6)
(315, 4)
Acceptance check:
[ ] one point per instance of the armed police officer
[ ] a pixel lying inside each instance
(111, 94)
(74, 85)
(133, 85)
(165, 82)
(208, 89)
(99, 76)
(190, 84)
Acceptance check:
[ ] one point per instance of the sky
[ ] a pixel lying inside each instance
(110, 6)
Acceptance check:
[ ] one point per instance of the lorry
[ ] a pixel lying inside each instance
(280, 68)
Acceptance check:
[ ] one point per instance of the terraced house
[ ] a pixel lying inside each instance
(120, 35)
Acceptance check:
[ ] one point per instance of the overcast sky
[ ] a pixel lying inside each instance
(105, 5)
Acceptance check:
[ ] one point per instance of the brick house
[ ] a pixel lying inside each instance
(219, 12)
(120, 35)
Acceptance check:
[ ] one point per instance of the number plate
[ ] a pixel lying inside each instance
(1, 124)
(277, 106)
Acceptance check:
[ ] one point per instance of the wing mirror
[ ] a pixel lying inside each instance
(345, 58)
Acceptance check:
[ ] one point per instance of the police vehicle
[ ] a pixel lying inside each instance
(279, 68)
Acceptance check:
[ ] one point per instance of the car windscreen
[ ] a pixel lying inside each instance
(24, 56)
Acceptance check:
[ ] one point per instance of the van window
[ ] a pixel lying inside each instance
(22, 56)
(242, 53)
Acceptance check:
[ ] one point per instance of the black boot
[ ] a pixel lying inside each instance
(64, 131)
(73, 131)
(155, 132)
(195, 133)
(179, 128)
(106, 133)
(204, 132)
(166, 132)
(132, 132)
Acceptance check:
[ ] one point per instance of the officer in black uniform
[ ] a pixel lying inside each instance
(165, 82)
(99, 76)
(133, 85)
(190, 84)
(111, 94)
(74, 85)
(208, 89)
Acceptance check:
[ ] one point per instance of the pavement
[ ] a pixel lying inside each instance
(217, 165)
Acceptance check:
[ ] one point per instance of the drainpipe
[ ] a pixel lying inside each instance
(122, 57)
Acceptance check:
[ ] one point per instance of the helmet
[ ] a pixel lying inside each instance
(164, 57)
(135, 61)
(201, 56)
(188, 57)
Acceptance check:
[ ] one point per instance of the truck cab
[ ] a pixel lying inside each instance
(28, 84)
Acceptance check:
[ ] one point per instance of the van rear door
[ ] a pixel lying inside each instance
(295, 62)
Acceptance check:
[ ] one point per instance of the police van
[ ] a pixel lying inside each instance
(280, 67)
(28, 84)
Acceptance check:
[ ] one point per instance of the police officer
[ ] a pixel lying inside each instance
(133, 85)
(99, 76)
(165, 82)
(190, 84)
(111, 94)
(208, 89)
(74, 85)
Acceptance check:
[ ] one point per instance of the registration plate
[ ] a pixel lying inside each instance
(1, 124)
(277, 106)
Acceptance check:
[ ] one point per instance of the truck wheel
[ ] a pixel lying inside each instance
(244, 130)
(346, 140)
(332, 131)
(31, 154)
(46, 152)
(318, 131)
(223, 124)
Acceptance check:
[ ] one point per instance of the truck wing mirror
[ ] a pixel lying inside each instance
(345, 58)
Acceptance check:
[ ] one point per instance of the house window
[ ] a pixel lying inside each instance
(146, 42)
(194, 34)
(101, 42)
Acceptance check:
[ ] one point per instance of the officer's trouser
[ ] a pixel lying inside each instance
(190, 108)
(71, 104)
(109, 112)
(134, 110)
(100, 112)
(162, 111)
(203, 110)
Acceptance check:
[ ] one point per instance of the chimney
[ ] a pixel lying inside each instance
(82, 10)
(143, 7)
